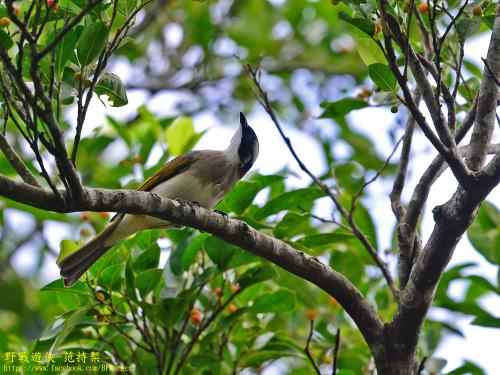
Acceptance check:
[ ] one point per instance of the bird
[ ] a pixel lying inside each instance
(203, 177)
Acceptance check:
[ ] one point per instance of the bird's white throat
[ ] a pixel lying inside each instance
(231, 151)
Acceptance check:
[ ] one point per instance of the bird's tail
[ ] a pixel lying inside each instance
(76, 264)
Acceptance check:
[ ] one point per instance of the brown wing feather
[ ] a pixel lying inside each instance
(169, 170)
(172, 168)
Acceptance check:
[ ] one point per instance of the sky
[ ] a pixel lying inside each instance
(480, 345)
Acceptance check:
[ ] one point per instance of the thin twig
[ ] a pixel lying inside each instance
(421, 366)
(371, 180)
(336, 351)
(404, 160)
(202, 328)
(263, 99)
(308, 352)
(66, 29)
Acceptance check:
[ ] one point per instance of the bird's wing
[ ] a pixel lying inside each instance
(169, 170)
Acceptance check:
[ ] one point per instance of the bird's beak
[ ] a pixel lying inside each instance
(243, 120)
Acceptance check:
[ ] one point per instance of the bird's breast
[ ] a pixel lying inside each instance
(189, 187)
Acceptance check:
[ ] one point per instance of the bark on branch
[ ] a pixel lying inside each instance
(232, 231)
(452, 218)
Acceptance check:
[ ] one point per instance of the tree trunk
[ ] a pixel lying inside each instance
(396, 354)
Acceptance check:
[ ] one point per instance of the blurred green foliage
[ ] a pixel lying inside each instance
(216, 309)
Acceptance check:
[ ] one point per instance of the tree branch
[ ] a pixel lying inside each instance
(444, 142)
(263, 99)
(306, 349)
(454, 217)
(232, 231)
(407, 237)
(487, 103)
(16, 162)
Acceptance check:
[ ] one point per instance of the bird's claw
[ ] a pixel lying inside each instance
(220, 212)
(191, 204)
(155, 196)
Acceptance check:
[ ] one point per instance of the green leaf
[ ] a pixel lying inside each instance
(467, 27)
(5, 40)
(242, 195)
(256, 275)
(486, 320)
(484, 233)
(322, 239)
(289, 200)
(291, 225)
(58, 286)
(68, 326)
(363, 24)
(473, 68)
(92, 42)
(255, 358)
(179, 134)
(111, 85)
(225, 255)
(278, 302)
(189, 254)
(148, 259)
(125, 7)
(468, 368)
(370, 52)
(66, 48)
(382, 76)
(67, 248)
(147, 280)
(342, 107)
(110, 278)
(130, 280)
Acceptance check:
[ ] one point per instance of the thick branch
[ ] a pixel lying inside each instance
(407, 237)
(454, 217)
(232, 231)
(487, 103)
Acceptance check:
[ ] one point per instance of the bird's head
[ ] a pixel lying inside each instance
(244, 146)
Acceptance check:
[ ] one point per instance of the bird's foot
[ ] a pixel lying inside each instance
(155, 196)
(220, 212)
(180, 200)
(194, 204)
(191, 204)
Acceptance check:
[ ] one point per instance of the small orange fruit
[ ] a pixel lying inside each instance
(84, 232)
(235, 288)
(378, 28)
(4, 21)
(137, 159)
(218, 292)
(232, 308)
(53, 5)
(104, 215)
(477, 11)
(100, 297)
(195, 316)
(311, 314)
(423, 8)
(86, 216)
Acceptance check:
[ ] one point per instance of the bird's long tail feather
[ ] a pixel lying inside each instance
(76, 264)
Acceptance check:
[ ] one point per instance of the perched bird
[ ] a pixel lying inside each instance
(198, 176)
